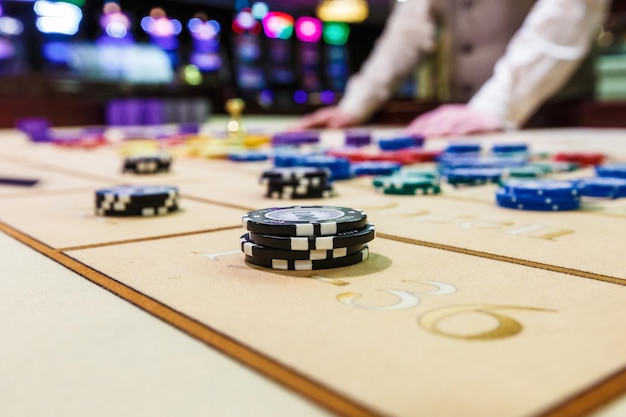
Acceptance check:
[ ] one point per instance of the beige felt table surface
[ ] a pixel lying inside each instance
(71, 349)
(463, 308)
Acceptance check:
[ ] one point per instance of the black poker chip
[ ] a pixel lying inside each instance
(297, 183)
(293, 173)
(287, 191)
(304, 221)
(147, 211)
(136, 200)
(252, 249)
(307, 243)
(148, 164)
(308, 265)
(137, 192)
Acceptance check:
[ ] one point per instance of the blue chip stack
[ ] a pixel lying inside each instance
(539, 195)
(462, 149)
(481, 162)
(248, 156)
(614, 170)
(338, 167)
(376, 168)
(289, 157)
(506, 150)
(472, 176)
(400, 142)
(460, 155)
(602, 187)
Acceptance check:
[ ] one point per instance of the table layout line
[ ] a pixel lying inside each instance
(289, 378)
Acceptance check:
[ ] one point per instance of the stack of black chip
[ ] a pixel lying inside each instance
(303, 238)
(148, 164)
(297, 183)
(152, 200)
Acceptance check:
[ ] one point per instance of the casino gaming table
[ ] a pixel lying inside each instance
(463, 308)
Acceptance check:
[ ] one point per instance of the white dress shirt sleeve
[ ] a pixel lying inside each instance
(408, 31)
(539, 60)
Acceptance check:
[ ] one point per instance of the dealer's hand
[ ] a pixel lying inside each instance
(453, 120)
(328, 117)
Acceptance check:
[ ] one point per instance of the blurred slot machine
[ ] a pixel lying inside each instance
(278, 28)
(115, 56)
(248, 67)
(12, 48)
(163, 33)
(205, 54)
(107, 59)
(313, 85)
(336, 56)
(57, 22)
(309, 34)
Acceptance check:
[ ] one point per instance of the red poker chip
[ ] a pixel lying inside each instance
(581, 158)
(405, 156)
(87, 142)
(420, 154)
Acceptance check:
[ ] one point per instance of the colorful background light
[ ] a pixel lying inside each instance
(278, 25)
(308, 29)
(336, 33)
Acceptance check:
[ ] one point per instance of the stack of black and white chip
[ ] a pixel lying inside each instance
(127, 200)
(303, 238)
(148, 164)
(297, 183)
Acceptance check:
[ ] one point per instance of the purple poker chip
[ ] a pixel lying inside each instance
(37, 128)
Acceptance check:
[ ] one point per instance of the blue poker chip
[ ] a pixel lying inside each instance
(472, 176)
(614, 170)
(400, 142)
(602, 187)
(248, 156)
(417, 173)
(376, 168)
(508, 200)
(509, 148)
(542, 188)
(462, 148)
(452, 161)
(288, 160)
(339, 167)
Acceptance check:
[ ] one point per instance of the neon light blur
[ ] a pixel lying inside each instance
(245, 19)
(259, 10)
(327, 97)
(10, 26)
(336, 33)
(278, 25)
(245, 22)
(203, 30)
(242, 4)
(58, 52)
(62, 18)
(115, 23)
(300, 96)
(308, 29)
(161, 26)
(192, 75)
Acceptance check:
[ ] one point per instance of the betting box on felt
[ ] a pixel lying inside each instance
(463, 307)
